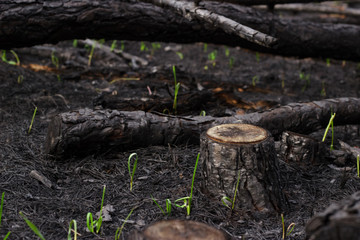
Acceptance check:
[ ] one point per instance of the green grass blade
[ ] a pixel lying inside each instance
(7, 235)
(72, 225)
(32, 226)
(90, 222)
(161, 209)
(32, 120)
(226, 199)
(1, 205)
(132, 172)
(119, 230)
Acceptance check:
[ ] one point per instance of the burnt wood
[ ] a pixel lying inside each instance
(244, 153)
(86, 131)
(338, 222)
(27, 23)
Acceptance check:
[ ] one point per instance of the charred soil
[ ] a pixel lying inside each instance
(216, 80)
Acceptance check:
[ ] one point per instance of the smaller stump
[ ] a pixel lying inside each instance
(179, 230)
(299, 149)
(248, 151)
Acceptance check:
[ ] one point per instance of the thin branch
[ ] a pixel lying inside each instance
(190, 11)
(264, 2)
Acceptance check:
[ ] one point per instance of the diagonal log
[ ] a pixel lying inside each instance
(87, 131)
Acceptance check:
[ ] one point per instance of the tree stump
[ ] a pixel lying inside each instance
(179, 230)
(247, 151)
(298, 148)
(338, 222)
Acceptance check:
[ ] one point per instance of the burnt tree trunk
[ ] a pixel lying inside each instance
(338, 222)
(242, 156)
(26, 23)
(87, 131)
(179, 230)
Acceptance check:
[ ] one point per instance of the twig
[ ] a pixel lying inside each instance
(41, 178)
(190, 11)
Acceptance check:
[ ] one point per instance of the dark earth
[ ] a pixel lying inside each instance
(236, 81)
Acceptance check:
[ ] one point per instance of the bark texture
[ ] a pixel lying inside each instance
(29, 22)
(249, 163)
(338, 222)
(299, 148)
(179, 230)
(87, 131)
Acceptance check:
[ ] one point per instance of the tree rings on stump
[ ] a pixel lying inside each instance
(179, 230)
(246, 152)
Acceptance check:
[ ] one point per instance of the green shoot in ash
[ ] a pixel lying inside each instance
(32, 226)
(32, 120)
(95, 225)
(120, 229)
(290, 228)
(226, 199)
(132, 172)
(177, 87)
(168, 205)
(331, 123)
(187, 200)
(1, 211)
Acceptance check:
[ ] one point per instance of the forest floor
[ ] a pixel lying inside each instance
(237, 81)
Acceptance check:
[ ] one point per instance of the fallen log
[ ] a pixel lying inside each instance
(87, 131)
(339, 221)
(27, 23)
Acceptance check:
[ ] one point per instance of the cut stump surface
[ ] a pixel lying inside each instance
(179, 230)
(245, 152)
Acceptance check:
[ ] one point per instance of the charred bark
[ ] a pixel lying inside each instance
(242, 158)
(338, 222)
(86, 131)
(179, 230)
(26, 23)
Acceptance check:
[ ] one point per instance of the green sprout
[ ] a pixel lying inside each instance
(187, 200)
(331, 123)
(72, 228)
(177, 87)
(227, 52)
(122, 45)
(32, 226)
(120, 229)
(20, 79)
(55, 62)
(203, 113)
(1, 210)
(75, 43)
(180, 55)
(328, 62)
(168, 205)
(132, 173)
(113, 46)
(357, 163)
(231, 62)
(32, 120)
(227, 199)
(306, 77)
(143, 47)
(323, 91)
(289, 229)
(95, 225)
(257, 56)
(154, 47)
(254, 80)
(205, 47)
(3, 57)
(91, 52)
(212, 57)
